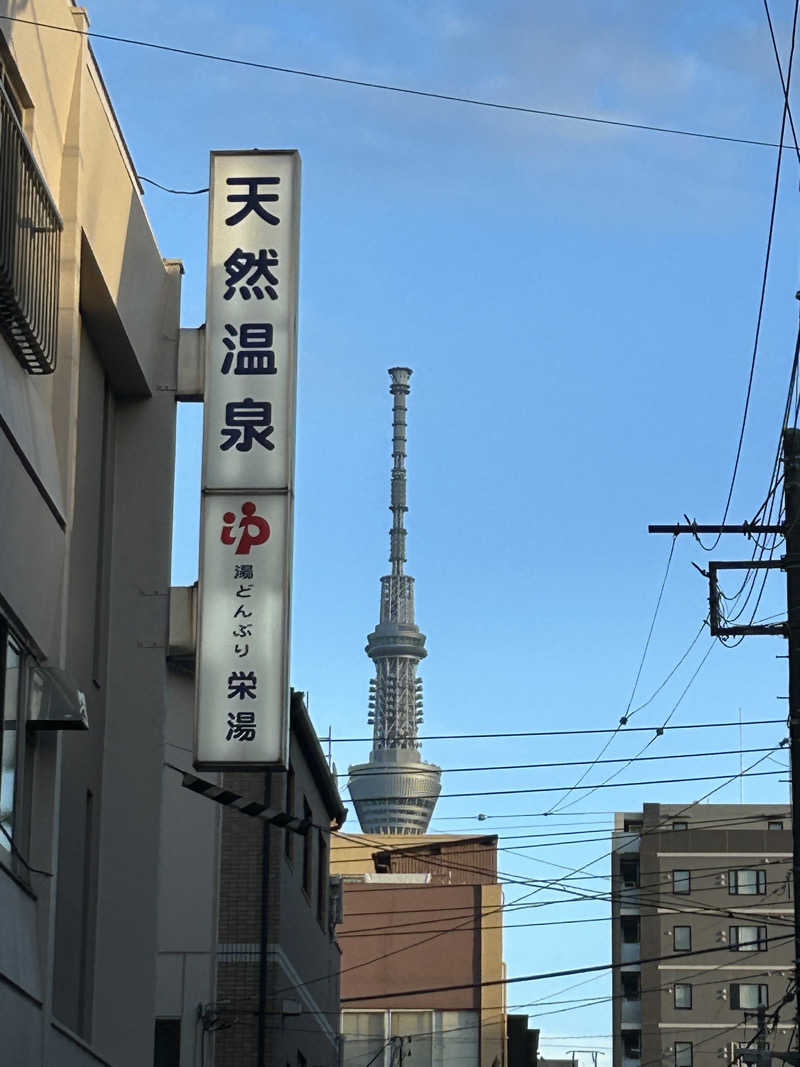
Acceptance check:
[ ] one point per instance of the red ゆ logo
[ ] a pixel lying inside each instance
(254, 529)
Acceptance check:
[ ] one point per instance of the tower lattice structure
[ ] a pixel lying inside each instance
(395, 792)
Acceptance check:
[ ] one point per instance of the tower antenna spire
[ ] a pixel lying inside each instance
(395, 792)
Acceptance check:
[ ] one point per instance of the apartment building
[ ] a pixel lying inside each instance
(89, 321)
(421, 914)
(702, 931)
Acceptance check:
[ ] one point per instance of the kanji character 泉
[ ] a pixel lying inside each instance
(252, 200)
(242, 684)
(244, 629)
(243, 592)
(246, 421)
(246, 269)
(241, 650)
(240, 613)
(241, 726)
(243, 570)
(255, 354)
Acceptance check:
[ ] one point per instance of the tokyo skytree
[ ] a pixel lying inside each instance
(395, 792)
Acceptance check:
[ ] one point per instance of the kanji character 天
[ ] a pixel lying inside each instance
(242, 684)
(246, 421)
(255, 354)
(241, 726)
(246, 269)
(252, 200)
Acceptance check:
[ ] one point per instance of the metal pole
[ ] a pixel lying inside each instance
(791, 491)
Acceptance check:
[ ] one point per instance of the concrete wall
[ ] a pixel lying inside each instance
(86, 471)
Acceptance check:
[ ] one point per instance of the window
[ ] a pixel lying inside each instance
(631, 985)
(630, 929)
(682, 938)
(308, 848)
(745, 997)
(629, 872)
(680, 826)
(682, 995)
(322, 880)
(747, 938)
(631, 825)
(775, 824)
(12, 736)
(167, 1043)
(362, 1037)
(683, 1053)
(681, 882)
(632, 1044)
(416, 1030)
(288, 807)
(747, 882)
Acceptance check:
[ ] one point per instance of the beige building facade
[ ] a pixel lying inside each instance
(702, 931)
(89, 323)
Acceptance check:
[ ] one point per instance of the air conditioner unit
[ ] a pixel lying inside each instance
(54, 701)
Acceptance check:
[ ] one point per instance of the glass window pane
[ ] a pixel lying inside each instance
(416, 1029)
(682, 938)
(8, 751)
(457, 1042)
(683, 995)
(683, 1054)
(362, 1037)
(681, 882)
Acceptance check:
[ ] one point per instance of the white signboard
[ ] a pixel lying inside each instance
(248, 461)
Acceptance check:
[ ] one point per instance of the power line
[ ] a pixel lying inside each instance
(385, 87)
(612, 785)
(456, 987)
(564, 733)
(571, 763)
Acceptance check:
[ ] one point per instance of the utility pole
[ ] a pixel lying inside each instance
(790, 629)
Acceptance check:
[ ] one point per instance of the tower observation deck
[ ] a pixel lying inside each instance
(395, 792)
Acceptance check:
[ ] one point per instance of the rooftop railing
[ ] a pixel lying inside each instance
(30, 242)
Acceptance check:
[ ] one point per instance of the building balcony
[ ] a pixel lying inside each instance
(30, 245)
(626, 842)
(630, 952)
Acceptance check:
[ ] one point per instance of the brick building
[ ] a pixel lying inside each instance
(247, 910)
(420, 915)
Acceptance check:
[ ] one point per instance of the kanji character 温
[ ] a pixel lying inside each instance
(252, 200)
(245, 269)
(255, 354)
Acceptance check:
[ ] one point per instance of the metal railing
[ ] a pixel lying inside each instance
(30, 243)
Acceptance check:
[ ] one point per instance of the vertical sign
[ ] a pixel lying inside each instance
(242, 673)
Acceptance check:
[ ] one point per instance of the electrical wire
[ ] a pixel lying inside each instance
(385, 87)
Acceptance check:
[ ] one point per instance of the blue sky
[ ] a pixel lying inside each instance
(578, 305)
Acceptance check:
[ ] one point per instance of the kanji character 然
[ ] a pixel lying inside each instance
(246, 269)
(255, 354)
(246, 421)
(241, 726)
(252, 200)
(242, 684)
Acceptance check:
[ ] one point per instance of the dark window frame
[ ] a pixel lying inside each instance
(675, 938)
(308, 852)
(289, 798)
(630, 919)
(636, 994)
(735, 944)
(685, 1046)
(681, 892)
(775, 824)
(682, 986)
(631, 1051)
(734, 889)
(734, 996)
